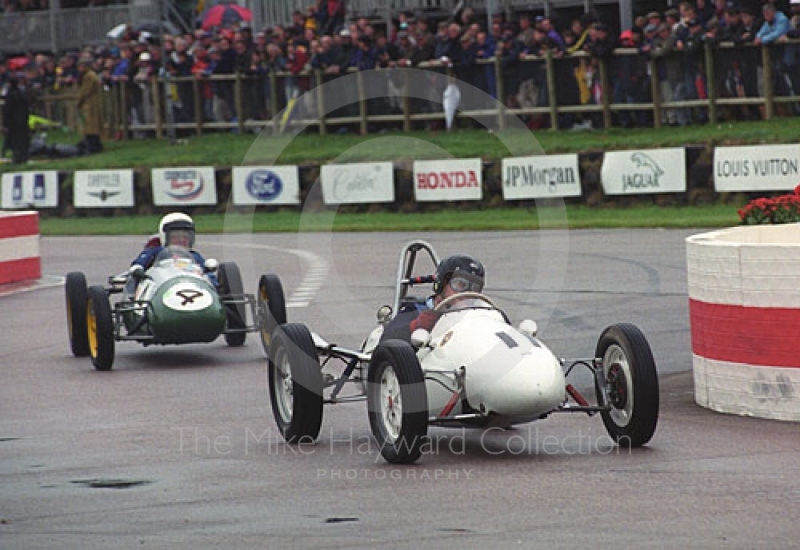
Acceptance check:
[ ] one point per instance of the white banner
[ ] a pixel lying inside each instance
(103, 189)
(448, 180)
(357, 183)
(757, 168)
(265, 185)
(184, 186)
(639, 172)
(541, 177)
(30, 189)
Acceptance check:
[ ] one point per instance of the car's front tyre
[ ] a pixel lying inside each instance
(398, 402)
(100, 328)
(631, 381)
(295, 383)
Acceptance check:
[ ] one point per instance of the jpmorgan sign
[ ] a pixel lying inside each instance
(541, 177)
(644, 172)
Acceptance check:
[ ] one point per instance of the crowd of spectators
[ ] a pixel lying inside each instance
(322, 38)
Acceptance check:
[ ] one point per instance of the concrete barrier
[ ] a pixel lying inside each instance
(19, 247)
(744, 308)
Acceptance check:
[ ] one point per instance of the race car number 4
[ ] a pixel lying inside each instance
(187, 297)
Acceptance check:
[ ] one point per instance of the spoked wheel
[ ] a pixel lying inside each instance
(100, 328)
(77, 295)
(295, 383)
(230, 287)
(397, 401)
(271, 307)
(631, 381)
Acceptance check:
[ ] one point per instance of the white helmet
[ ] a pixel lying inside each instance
(175, 224)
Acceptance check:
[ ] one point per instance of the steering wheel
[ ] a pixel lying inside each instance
(461, 295)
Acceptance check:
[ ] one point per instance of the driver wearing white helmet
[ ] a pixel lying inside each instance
(174, 229)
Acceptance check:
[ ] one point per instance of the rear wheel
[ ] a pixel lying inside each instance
(76, 296)
(271, 307)
(100, 328)
(397, 402)
(295, 383)
(231, 288)
(631, 380)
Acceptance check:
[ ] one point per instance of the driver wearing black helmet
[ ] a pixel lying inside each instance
(454, 275)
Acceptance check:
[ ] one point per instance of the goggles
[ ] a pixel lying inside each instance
(180, 237)
(463, 282)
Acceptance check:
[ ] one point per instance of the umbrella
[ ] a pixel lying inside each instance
(157, 28)
(117, 32)
(450, 101)
(225, 14)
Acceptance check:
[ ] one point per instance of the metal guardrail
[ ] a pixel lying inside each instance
(64, 29)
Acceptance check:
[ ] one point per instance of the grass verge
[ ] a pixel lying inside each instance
(577, 217)
(226, 149)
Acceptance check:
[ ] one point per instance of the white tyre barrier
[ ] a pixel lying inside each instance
(744, 309)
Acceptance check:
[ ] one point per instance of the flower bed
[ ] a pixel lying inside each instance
(782, 209)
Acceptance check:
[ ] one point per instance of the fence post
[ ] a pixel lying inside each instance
(406, 102)
(769, 92)
(362, 103)
(655, 92)
(500, 88)
(237, 99)
(123, 93)
(606, 93)
(711, 88)
(199, 115)
(157, 107)
(551, 90)
(273, 100)
(320, 103)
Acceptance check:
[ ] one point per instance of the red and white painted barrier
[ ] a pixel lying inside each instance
(19, 247)
(744, 309)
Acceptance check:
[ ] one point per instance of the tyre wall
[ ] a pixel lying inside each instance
(19, 247)
(744, 308)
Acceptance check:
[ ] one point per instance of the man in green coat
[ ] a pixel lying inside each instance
(89, 106)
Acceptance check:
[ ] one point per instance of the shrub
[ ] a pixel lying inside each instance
(782, 209)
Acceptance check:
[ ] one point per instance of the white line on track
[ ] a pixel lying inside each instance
(47, 281)
(314, 276)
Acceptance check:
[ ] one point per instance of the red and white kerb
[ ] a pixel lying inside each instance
(19, 247)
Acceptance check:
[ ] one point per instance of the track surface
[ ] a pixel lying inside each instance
(176, 447)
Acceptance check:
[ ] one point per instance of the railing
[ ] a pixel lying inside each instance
(136, 109)
(65, 29)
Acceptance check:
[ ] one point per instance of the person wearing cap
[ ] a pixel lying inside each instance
(654, 18)
(90, 105)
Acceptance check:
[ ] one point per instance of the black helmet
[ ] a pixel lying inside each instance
(458, 263)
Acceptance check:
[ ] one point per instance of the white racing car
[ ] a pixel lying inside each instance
(472, 369)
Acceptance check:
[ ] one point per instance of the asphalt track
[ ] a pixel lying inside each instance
(176, 447)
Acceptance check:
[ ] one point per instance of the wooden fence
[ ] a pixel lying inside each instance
(117, 100)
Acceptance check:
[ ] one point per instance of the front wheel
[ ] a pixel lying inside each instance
(397, 402)
(295, 383)
(631, 381)
(231, 289)
(76, 296)
(100, 328)
(271, 307)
